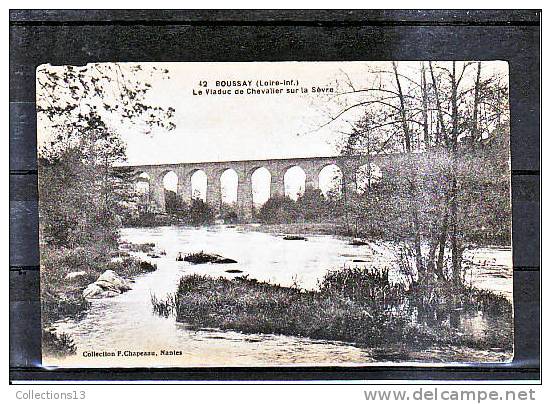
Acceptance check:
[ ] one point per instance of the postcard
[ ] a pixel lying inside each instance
(275, 214)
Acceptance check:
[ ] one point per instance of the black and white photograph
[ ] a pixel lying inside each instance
(275, 213)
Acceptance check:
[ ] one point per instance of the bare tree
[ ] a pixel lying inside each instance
(428, 115)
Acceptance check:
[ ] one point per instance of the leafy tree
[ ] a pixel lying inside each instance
(228, 213)
(312, 205)
(200, 213)
(279, 209)
(115, 92)
(173, 203)
(83, 192)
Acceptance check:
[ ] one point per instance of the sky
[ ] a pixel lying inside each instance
(238, 127)
(242, 127)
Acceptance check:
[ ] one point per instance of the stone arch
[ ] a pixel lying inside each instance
(168, 182)
(198, 180)
(294, 181)
(330, 179)
(261, 179)
(143, 188)
(229, 185)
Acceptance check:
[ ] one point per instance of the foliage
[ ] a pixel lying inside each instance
(228, 213)
(84, 193)
(59, 345)
(311, 206)
(384, 210)
(173, 203)
(448, 122)
(68, 96)
(80, 202)
(278, 209)
(195, 213)
(59, 306)
(61, 295)
(200, 213)
(353, 305)
(371, 286)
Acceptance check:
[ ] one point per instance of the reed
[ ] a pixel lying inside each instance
(352, 305)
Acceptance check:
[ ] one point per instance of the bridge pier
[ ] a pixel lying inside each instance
(157, 194)
(244, 196)
(214, 191)
(277, 183)
(244, 169)
(312, 178)
(184, 187)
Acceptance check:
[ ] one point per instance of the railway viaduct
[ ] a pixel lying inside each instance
(277, 168)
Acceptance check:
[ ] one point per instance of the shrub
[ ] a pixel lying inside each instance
(58, 306)
(278, 209)
(312, 205)
(369, 286)
(199, 213)
(352, 305)
(59, 345)
(228, 213)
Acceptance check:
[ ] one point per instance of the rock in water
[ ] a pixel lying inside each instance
(110, 293)
(358, 241)
(293, 237)
(112, 281)
(222, 260)
(203, 258)
(109, 284)
(147, 266)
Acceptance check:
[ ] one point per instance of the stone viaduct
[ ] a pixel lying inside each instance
(277, 168)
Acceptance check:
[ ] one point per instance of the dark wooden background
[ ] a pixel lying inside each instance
(81, 36)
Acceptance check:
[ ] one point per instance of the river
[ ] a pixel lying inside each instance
(127, 323)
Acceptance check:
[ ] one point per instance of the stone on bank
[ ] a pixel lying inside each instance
(109, 284)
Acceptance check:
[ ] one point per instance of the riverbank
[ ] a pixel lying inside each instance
(306, 229)
(355, 306)
(127, 321)
(65, 274)
(328, 228)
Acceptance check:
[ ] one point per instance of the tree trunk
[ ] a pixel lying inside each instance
(442, 246)
(426, 134)
(474, 129)
(412, 189)
(440, 114)
(456, 259)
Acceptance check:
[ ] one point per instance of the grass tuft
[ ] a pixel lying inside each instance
(58, 345)
(352, 305)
